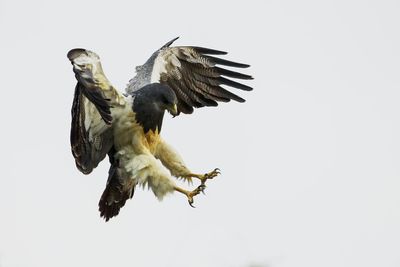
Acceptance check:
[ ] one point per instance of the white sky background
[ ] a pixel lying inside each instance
(310, 163)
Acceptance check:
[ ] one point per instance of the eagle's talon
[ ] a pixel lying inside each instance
(201, 188)
(191, 203)
(193, 193)
(210, 175)
(202, 191)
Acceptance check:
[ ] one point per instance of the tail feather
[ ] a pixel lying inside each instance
(115, 195)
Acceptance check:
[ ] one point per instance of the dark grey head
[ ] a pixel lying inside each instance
(150, 103)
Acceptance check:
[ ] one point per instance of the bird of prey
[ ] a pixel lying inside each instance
(126, 127)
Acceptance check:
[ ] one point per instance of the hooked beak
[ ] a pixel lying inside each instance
(173, 110)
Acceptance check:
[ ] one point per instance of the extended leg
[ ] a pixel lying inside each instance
(190, 194)
(170, 159)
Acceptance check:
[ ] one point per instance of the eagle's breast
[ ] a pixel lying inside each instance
(152, 140)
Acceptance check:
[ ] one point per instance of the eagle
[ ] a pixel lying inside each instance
(126, 126)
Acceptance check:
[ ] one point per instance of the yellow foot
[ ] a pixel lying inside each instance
(195, 192)
(191, 194)
(203, 178)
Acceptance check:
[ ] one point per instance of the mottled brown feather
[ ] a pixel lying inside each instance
(87, 153)
(196, 79)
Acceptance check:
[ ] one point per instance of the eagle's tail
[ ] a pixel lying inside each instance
(116, 193)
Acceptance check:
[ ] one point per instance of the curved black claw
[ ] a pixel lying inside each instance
(201, 188)
(195, 192)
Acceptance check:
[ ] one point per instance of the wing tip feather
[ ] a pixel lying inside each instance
(168, 44)
(208, 51)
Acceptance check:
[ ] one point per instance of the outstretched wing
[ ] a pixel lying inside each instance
(194, 75)
(91, 134)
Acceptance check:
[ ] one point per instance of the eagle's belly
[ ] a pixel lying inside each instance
(134, 149)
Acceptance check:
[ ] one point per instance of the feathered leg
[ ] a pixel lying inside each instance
(145, 169)
(171, 159)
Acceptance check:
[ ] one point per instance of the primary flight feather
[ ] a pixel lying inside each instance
(126, 127)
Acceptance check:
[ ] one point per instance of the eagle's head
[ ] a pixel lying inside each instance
(167, 100)
(163, 98)
(150, 103)
(158, 98)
